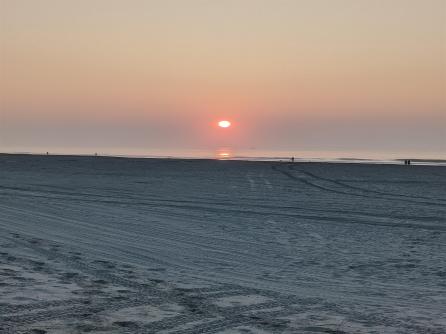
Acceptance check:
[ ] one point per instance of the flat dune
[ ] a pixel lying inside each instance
(120, 245)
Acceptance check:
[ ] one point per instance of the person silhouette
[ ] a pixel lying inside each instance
(292, 159)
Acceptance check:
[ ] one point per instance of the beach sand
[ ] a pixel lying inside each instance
(116, 245)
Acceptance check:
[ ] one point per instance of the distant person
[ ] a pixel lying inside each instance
(408, 162)
(292, 159)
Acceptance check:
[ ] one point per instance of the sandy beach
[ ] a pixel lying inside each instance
(119, 245)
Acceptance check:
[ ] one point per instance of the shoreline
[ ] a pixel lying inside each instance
(360, 161)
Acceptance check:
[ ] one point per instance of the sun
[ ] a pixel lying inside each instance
(224, 124)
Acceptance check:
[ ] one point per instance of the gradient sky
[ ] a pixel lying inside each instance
(365, 75)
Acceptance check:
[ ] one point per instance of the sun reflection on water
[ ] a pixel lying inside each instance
(224, 153)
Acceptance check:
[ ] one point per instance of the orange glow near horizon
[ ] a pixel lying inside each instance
(264, 74)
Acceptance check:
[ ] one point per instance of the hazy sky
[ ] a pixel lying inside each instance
(290, 74)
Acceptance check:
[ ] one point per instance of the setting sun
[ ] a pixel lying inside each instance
(224, 124)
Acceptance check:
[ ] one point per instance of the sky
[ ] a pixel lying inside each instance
(143, 75)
